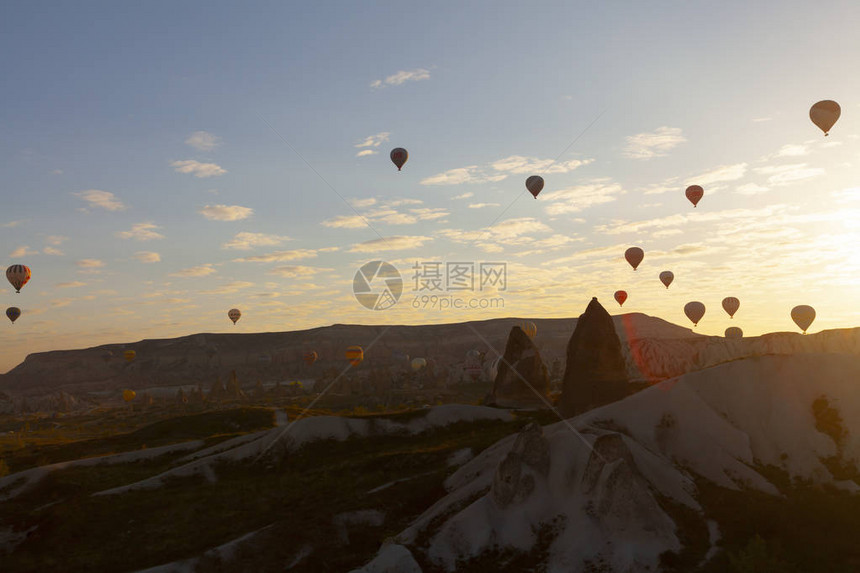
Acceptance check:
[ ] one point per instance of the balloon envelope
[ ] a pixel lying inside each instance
(694, 311)
(731, 305)
(310, 357)
(129, 355)
(355, 354)
(694, 193)
(803, 316)
(399, 157)
(418, 363)
(824, 114)
(620, 297)
(128, 395)
(734, 332)
(529, 328)
(534, 184)
(634, 256)
(234, 314)
(12, 313)
(18, 276)
(666, 277)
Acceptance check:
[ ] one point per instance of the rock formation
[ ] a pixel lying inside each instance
(522, 379)
(595, 372)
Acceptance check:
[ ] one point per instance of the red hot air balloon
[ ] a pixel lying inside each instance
(620, 297)
(731, 305)
(18, 276)
(824, 114)
(634, 256)
(399, 157)
(534, 184)
(666, 277)
(694, 193)
(694, 311)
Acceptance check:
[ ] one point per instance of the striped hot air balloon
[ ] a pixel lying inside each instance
(355, 355)
(12, 313)
(18, 276)
(529, 328)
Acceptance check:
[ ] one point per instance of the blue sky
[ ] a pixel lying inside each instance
(167, 131)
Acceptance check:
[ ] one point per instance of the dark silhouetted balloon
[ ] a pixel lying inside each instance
(694, 311)
(534, 184)
(399, 157)
(803, 316)
(12, 313)
(666, 277)
(824, 114)
(694, 193)
(634, 256)
(731, 305)
(18, 276)
(734, 332)
(620, 297)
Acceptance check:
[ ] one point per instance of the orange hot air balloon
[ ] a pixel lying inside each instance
(824, 114)
(803, 316)
(355, 355)
(734, 332)
(620, 297)
(731, 305)
(694, 311)
(234, 314)
(399, 157)
(129, 355)
(694, 193)
(534, 184)
(310, 357)
(666, 277)
(634, 256)
(18, 276)
(128, 395)
(529, 328)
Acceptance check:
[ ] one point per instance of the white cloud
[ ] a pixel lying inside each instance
(846, 195)
(203, 140)
(279, 256)
(293, 271)
(397, 243)
(230, 288)
(72, 284)
(366, 152)
(226, 212)
(574, 199)
(786, 174)
(520, 165)
(719, 174)
(465, 195)
(401, 77)
(374, 140)
(345, 222)
(147, 257)
(792, 151)
(653, 144)
(198, 169)
(11, 224)
(23, 251)
(90, 263)
(359, 203)
(461, 175)
(482, 205)
(751, 189)
(246, 241)
(198, 271)
(102, 199)
(53, 251)
(141, 232)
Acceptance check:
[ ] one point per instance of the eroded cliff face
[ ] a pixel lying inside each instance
(596, 373)
(522, 379)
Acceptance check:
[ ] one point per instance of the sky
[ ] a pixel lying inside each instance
(162, 163)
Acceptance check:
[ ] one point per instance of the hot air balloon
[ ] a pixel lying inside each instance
(529, 328)
(666, 277)
(534, 184)
(734, 332)
(694, 311)
(128, 395)
(634, 256)
(355, 354)
(418, 364)
(731, 305)
(234, 314)
(399, 156)
(694, 193)
(18, 276)
(620, 297)
(803, 316)
(12, 313)
(310, 357)
(824, 114)
(129, 355)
